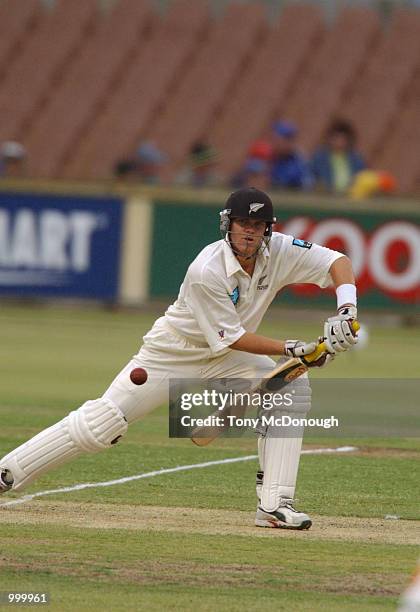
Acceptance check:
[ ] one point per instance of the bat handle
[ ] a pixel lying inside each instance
(322, 348)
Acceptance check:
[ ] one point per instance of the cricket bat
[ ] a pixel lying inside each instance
(275, 380)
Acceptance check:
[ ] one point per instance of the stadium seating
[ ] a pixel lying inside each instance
(17, 21)
(207, 82)
(326, 80)
(46, 55)
(145, 85)
(400, 153)
(80, 87)
(90, 78)
(264, 86)
(383, 102)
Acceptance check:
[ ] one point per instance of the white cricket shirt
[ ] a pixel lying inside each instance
(218, 301)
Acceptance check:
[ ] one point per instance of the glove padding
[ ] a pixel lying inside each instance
(297, 348)
(338, 333)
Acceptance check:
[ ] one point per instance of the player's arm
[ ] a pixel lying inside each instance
(338, 332)
(261, 345)
(320, 265)
(341, 272)
(219, 321)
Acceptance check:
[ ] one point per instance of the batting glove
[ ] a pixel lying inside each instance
(297, 348)
(338, 333)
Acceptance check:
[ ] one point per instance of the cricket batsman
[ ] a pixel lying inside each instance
(210, 332)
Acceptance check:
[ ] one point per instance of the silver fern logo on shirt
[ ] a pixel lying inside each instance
(260, 285)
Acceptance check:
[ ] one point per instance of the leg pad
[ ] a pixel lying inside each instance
(94, 426)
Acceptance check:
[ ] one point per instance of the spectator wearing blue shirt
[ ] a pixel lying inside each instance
(289, 168)
(335, 164)
(254, 173)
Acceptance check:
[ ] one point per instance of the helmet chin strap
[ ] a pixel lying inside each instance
(261, 247)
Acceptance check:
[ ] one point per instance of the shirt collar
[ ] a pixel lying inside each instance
(233, 265)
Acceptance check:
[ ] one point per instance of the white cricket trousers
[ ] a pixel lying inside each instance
(164, 355)
(99, 423)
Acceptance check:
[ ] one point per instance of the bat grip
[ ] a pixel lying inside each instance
(316, 354)
(322, 348)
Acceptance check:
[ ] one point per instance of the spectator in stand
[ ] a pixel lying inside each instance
(254, 173)
(335, 163)
(144, 167)
(261, 149)
(150, 159)
(200, 170)
(256, 169)
(126, 169)
(12, 160)
(289, 168)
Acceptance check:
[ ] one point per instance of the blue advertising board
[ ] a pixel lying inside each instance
(60, 246)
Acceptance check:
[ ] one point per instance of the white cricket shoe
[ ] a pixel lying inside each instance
(6, 480)
(285, 517)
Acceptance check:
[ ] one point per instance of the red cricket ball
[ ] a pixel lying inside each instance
(138, 376)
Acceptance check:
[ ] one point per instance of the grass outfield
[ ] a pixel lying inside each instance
(186, 540)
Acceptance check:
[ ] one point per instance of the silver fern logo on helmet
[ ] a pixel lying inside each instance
(255, 206)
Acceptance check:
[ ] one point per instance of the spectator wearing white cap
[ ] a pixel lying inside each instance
(12, 160)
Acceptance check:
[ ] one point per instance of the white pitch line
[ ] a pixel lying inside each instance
(179, 468)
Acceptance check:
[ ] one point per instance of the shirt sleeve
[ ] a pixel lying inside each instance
(215, 314)
(311, 262)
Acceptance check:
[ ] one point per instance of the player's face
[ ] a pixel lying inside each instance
(246, 235)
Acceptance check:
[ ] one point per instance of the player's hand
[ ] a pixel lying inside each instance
(297, 348)
(348, 311)
(338, 333)
(323, 360)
